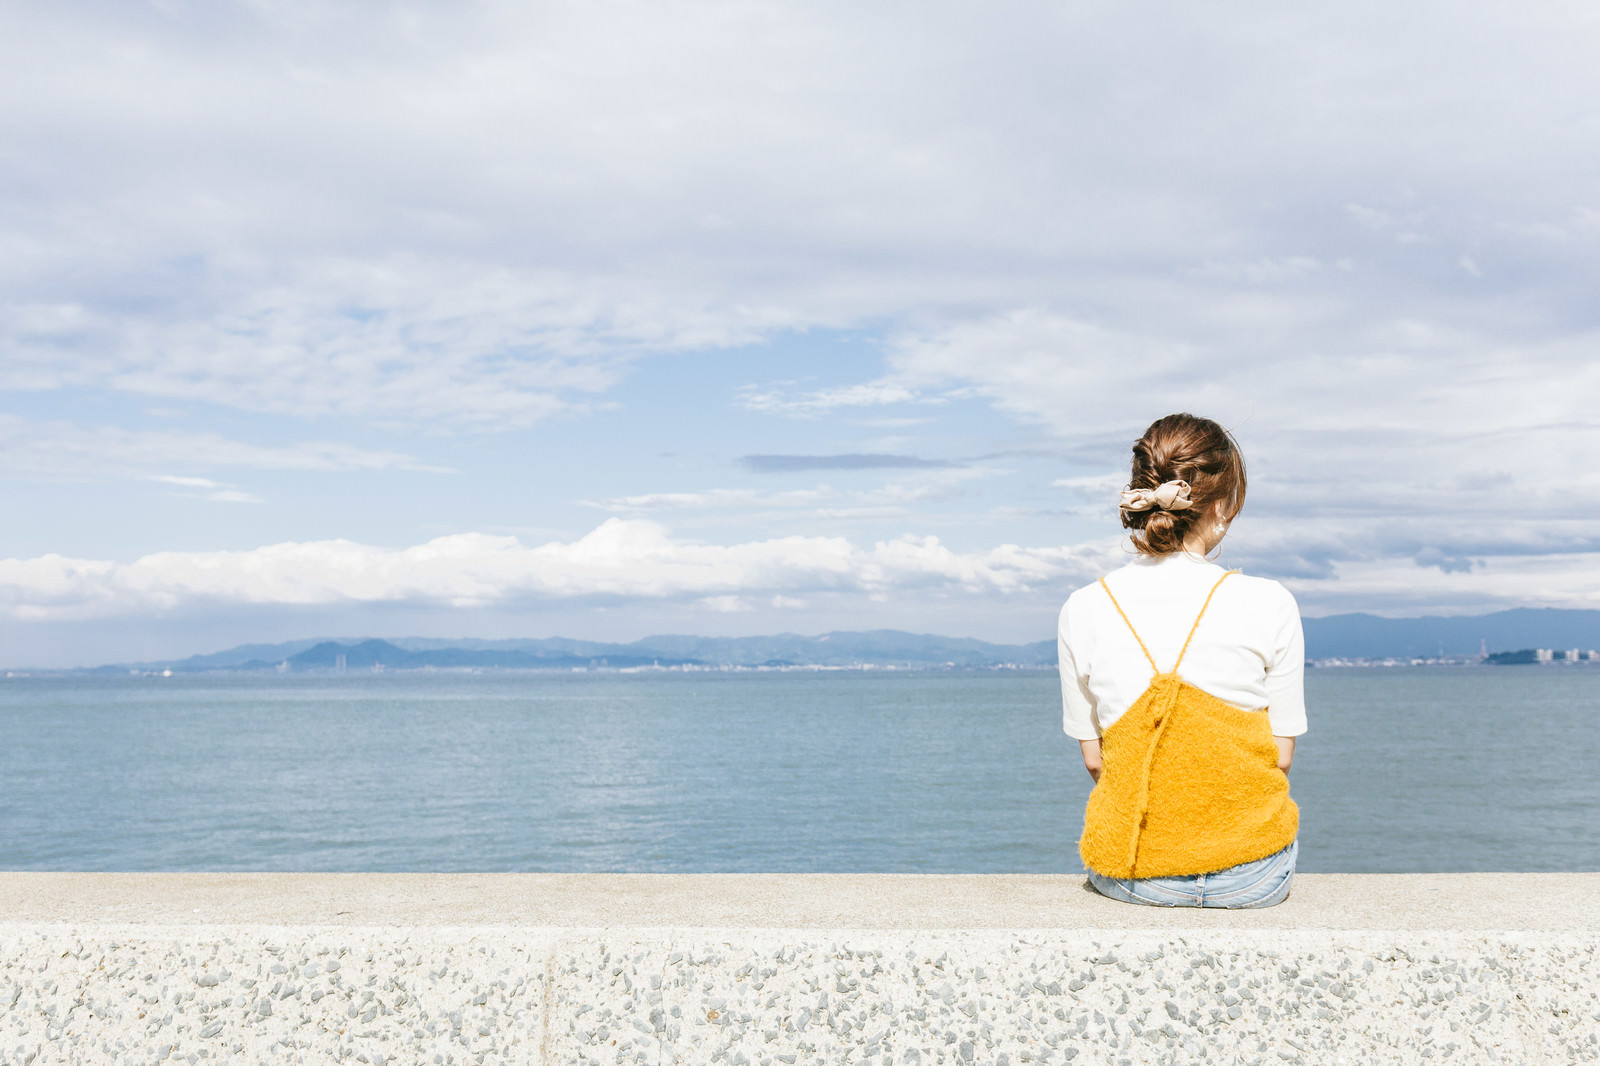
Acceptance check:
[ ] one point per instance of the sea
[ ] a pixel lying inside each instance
(1406, 769)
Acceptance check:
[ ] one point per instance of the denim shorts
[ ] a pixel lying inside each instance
(1262, 883)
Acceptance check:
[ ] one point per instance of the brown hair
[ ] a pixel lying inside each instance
(1184, 447)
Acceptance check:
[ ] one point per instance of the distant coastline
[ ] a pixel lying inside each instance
(1525, 635)
(1521, 657)
(869, 650)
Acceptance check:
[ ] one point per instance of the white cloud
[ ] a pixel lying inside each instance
(1077, 377)
(1258, 271)
(823, 501)
(1369, 217)
(1403, 416)
(1405, 442)
(215, 491)
(187, 482)
(38, 449)
(478, 215)
(635, 560)
(711, 499)
(1093, 494)
(416, 341)
(1096, 486)
(777, 399)
(932, 486)
(641, 563)
(1399, 587)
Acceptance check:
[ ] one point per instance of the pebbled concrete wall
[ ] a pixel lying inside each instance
(222, 968)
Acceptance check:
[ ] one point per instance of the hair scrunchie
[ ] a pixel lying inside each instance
(1168, 496)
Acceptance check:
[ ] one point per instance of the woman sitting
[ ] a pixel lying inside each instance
(1184, 685)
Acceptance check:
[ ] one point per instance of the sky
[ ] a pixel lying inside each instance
(607, 319)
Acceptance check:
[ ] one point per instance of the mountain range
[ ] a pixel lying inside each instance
(1359, 636)
(1366, 636)
(884, 647)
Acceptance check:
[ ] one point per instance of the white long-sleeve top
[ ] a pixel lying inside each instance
(1249, 650)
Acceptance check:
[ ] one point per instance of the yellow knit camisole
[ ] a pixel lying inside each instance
(1188, 784)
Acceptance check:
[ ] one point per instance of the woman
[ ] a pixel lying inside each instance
(1183, 684)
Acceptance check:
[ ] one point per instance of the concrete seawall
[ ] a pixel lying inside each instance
(790, 969)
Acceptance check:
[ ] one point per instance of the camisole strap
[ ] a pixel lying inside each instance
(1154, 668)
(1148, 657)
(1197, 618)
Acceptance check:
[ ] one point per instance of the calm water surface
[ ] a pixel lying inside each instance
(1424, 769)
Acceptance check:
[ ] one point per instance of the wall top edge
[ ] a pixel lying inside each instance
(1475, 902)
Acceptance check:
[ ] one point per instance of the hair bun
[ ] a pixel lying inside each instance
(1185, 469)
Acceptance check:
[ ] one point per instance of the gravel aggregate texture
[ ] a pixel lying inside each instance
(159, 974)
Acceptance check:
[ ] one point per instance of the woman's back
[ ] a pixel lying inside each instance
(1248, 650)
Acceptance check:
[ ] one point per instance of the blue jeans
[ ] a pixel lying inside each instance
(1261, 883)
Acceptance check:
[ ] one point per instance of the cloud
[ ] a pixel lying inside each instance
(640, 564)
(215, 491)
(63, 450)
(942, 484)
(1448, 564)
(187, 482)
(1401, 587)
(1404, 443)
(892, 499)
(824, 401)
(480, 216)
(628, 560)
(711, 499)
(408, 341)
(1419, 565)
(1431, 424)
(1050, 367)
(1258, 271)
(1093, 494)
(1100, 487)
(783, 464)
(1369, 217)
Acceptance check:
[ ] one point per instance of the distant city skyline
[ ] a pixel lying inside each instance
(613, 320)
